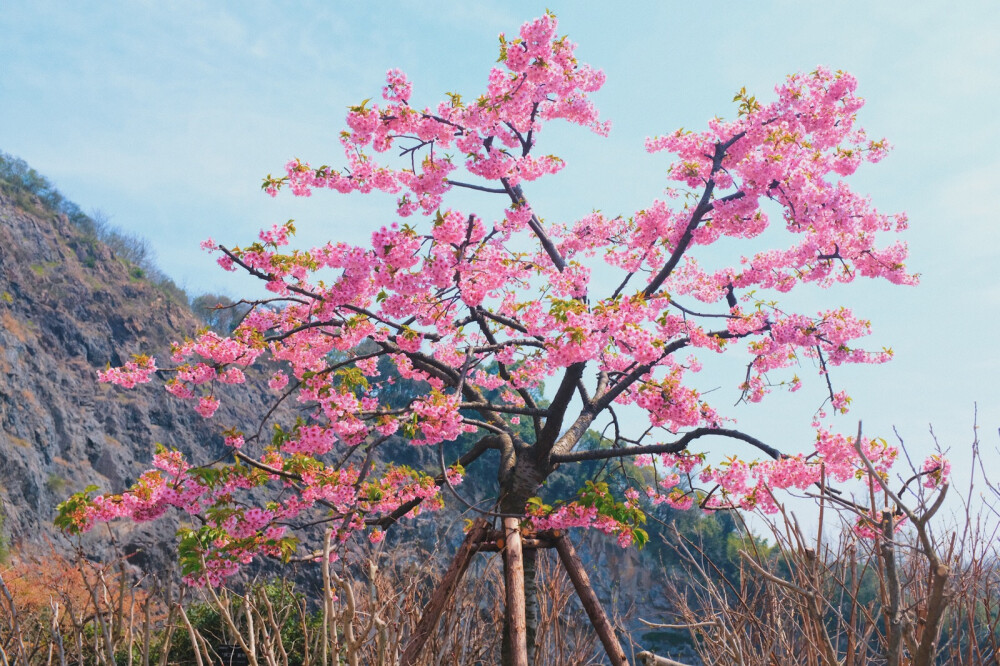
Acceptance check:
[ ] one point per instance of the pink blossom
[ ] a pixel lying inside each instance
(278, 381)
(137, 371)
(936, 471)
(207, 406)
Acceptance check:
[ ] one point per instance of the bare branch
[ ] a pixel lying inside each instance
(478, 188)
(703, 208)
(673, 447)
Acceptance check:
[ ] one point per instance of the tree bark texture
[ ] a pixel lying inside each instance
(936, 604)
(530, 599)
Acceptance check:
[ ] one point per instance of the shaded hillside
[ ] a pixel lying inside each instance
(69, 306)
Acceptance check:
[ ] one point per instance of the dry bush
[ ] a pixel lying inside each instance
(59, 610)
(389, 603)
(62, 611)
(920, 594)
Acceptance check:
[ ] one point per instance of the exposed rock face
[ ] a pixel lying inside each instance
(69, 307)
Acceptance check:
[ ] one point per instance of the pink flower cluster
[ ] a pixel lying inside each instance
(573, 515)
(735, 483)
(399, 486)
(596, 509)
(249, 532)
(543, 81)
(869, 527)
(936, 470)
(137, 371)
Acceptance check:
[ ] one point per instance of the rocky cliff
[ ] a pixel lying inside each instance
(68, 307)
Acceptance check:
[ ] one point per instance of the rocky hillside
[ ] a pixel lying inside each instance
(69, 306)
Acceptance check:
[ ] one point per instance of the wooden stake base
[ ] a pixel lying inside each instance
(512, 541)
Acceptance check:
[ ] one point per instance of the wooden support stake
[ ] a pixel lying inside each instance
(650, 659)
(581, 581)
(527, 543)
(443, 593)
(517, 625)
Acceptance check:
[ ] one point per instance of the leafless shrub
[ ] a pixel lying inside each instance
(914, 594)
(60, 610)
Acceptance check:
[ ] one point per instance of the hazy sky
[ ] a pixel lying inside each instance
(165, 116)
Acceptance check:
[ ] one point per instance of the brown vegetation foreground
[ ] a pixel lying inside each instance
(928, 593)
(59, 611)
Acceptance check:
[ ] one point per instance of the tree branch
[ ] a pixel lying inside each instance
(557, 408)
(673, 447)
(481, 447)
(478, 188)
(603, 400)
(517, 197)
(703, 207)
(477, 313)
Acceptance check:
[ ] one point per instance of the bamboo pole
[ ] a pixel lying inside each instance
(650, 659)
(517, 626)
(443, 593)
(581, 581)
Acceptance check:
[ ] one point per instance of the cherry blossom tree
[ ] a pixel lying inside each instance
(610, 312)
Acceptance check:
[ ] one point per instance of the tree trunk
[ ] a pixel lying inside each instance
(520, 478)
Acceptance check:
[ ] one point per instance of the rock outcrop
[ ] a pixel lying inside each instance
(69, 307)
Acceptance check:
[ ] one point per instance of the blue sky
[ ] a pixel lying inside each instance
(165, 116)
